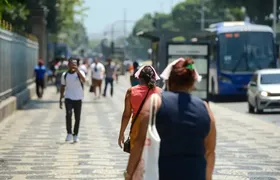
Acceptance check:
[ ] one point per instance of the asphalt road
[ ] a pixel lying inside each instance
(272, 116)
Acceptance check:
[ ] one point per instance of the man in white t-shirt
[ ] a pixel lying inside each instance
(72, 90)
(97, 75)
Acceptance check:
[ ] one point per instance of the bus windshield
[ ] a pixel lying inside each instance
(246, 51)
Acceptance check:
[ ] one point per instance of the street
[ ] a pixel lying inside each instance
(32, 141)
(272, 116)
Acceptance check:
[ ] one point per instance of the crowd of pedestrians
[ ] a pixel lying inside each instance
(184, 122)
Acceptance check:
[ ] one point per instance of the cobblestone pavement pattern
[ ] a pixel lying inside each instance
(32, 143)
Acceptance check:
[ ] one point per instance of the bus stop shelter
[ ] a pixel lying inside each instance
(164, 51)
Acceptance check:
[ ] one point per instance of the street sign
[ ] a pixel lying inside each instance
(199, 52)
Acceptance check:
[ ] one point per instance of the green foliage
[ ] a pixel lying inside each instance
(257, 10)
(137, 47)
(14, 12)
(65, 21)
(185, 17)
(61, 22)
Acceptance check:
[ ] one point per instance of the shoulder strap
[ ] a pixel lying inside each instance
(80, 81)
(139, 110)
(65, 76)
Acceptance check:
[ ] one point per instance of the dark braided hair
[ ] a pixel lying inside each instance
(149, 76)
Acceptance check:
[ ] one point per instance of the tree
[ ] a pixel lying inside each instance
(137, 47)
(185, 18)
(62, 23)
(258, 10)
(14, 12)
(187, 15)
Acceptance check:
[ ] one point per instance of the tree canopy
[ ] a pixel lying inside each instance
(185, 18)
(259, 11)
(64, 18)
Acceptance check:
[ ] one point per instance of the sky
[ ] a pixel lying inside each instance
(103, 13)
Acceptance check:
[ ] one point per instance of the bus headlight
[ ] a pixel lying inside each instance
(224, 79)
(264, 94)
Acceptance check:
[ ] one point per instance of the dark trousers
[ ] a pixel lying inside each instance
(75, 105)
(110, 81)
(40, 85)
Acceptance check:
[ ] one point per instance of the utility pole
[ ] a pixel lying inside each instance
(274, 17)
(202, 15)
(161, 7)
(112, 32)
(124, 24)
(124, 35)
(171, 4)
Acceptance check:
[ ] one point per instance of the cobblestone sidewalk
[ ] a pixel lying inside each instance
(32, 143)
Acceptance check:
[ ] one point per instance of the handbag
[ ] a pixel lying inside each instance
(148, 168)
(126, 146)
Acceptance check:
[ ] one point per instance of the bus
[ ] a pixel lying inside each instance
(237, 49)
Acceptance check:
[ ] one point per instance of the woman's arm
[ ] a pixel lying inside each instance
(125, 117)
(210, 145)
(136, 152)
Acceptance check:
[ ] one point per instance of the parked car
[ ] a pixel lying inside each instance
(264, 90)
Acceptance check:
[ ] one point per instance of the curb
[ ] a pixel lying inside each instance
(13, 103)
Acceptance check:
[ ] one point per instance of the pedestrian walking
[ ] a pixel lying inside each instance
(72, 89)
(61, 68)
(110, 73)
(133, 80)
(83, 67)
(97, 75)
(135, 99)
(185, 125)
(40, 71)
(118, 72)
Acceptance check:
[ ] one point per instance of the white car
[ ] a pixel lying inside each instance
(264, 90)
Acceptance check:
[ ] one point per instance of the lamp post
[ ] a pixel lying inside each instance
(202, 15)
(274, 17)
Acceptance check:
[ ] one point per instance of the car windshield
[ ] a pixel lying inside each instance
(270, 78)
(246, 51)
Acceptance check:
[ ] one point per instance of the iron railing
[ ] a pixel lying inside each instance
(18, 56)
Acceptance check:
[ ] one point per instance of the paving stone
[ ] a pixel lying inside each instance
(32, 143)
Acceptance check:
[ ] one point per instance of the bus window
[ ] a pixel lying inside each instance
(249, 52)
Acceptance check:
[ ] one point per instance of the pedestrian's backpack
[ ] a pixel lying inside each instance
(78, 77)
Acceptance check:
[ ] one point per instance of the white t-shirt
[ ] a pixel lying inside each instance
(97, 71)
(83, 68)
(73, 87)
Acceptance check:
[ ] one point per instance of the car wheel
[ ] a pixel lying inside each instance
(251, 108)
(259, 111)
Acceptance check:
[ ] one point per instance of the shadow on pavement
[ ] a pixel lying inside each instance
(266, 113)
(48, 104)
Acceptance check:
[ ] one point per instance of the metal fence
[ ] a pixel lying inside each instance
(18, 56)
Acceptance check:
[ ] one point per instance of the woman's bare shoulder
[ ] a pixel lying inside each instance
(158, 89)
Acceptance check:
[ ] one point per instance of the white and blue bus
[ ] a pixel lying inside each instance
(237, 50)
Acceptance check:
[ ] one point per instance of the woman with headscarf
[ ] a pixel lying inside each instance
(186, 127)
(134, 97)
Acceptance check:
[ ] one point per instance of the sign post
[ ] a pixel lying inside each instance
(199, 52)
